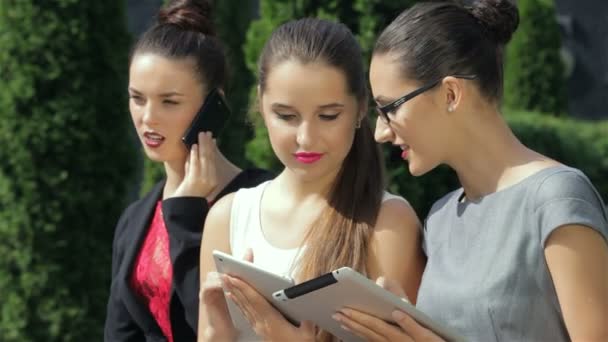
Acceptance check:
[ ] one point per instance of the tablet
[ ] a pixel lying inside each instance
(318, 299)
(266, 283)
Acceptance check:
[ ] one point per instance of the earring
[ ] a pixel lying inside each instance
(358, 124)
(450, 109)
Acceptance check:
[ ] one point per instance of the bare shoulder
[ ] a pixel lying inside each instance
(220, 211)
(216, 233)
(396, 213)
(395, 247)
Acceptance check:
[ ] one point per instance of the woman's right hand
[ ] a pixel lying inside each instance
(219, 327)
(200, 178)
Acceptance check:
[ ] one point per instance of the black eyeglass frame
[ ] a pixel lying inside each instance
(383, 111)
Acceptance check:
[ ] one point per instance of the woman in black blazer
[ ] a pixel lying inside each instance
(155, 258)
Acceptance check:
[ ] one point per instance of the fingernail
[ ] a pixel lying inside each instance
(344, 327)
(345, 312)
(336, 317)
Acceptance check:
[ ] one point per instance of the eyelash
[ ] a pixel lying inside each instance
(325, 117)
(329, 117)
(138, 99)
(285, 117)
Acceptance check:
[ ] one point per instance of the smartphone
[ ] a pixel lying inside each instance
(212, 117)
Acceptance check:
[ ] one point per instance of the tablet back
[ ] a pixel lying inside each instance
(317, 300)
(266, 283)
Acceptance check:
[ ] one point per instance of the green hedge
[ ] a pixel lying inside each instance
(534, 71)
(583, 145)
(66, 164)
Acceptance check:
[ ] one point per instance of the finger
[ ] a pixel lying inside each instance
(192, 162)
(249, 316)
(413, 329)
(307, 329)
(248, 255)
(202, 143)
(254, 300)
(206, 145)
(207, 158)
(379, 326)
(357, 328)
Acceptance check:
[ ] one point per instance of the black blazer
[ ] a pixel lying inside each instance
(127, 318)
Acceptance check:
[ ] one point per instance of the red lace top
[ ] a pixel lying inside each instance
(153, 273)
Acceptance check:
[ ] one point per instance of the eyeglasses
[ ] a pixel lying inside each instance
(383, 111)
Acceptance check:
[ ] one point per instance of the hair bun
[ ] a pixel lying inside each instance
(499, 17)
(190, 15)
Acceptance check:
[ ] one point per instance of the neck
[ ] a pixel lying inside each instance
(488, 157)
(300, 189)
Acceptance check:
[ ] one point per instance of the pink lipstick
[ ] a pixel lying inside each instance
(308, 157)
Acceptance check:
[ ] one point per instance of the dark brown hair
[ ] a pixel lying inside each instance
(183, 30)
(432, 40)
(340, 236)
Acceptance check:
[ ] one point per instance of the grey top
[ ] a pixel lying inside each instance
(486, 274)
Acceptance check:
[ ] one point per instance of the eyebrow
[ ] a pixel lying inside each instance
(325, 106)
(167, 94)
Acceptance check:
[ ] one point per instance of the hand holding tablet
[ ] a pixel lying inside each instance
(319, 299)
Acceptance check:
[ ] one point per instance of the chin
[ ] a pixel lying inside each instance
(417, 170)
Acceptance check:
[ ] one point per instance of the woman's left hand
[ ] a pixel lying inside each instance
(265, 320)
(372, 328)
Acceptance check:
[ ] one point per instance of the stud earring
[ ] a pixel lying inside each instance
(358, 124)
(450, 109)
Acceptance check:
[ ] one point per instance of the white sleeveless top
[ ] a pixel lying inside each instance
(246, 232)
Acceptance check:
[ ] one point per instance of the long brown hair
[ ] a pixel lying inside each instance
(341, 234)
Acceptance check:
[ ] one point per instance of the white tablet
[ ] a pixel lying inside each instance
(266, 283)
(318, 299)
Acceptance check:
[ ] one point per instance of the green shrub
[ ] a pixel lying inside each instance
(66, 164)
(534, 72)
(583, 145)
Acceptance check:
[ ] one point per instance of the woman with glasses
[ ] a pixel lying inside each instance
(518, 253)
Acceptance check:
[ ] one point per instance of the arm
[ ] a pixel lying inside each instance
(577, 258)
(395, 251)
(119, 325)
(212, 304)
(184, 219)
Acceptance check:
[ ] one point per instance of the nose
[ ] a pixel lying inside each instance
(383, 132)
(149, 117)
(305, 135)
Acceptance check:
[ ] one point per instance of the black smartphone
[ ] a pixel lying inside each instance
(212, 117)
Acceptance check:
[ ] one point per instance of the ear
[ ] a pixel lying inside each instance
(453, 92)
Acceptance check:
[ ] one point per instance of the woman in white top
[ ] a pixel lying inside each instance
(327, 208)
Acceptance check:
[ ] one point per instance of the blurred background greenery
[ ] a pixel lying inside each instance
(70, 162)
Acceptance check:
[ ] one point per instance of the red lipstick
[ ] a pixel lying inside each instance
(308, 157)
(153, 140)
